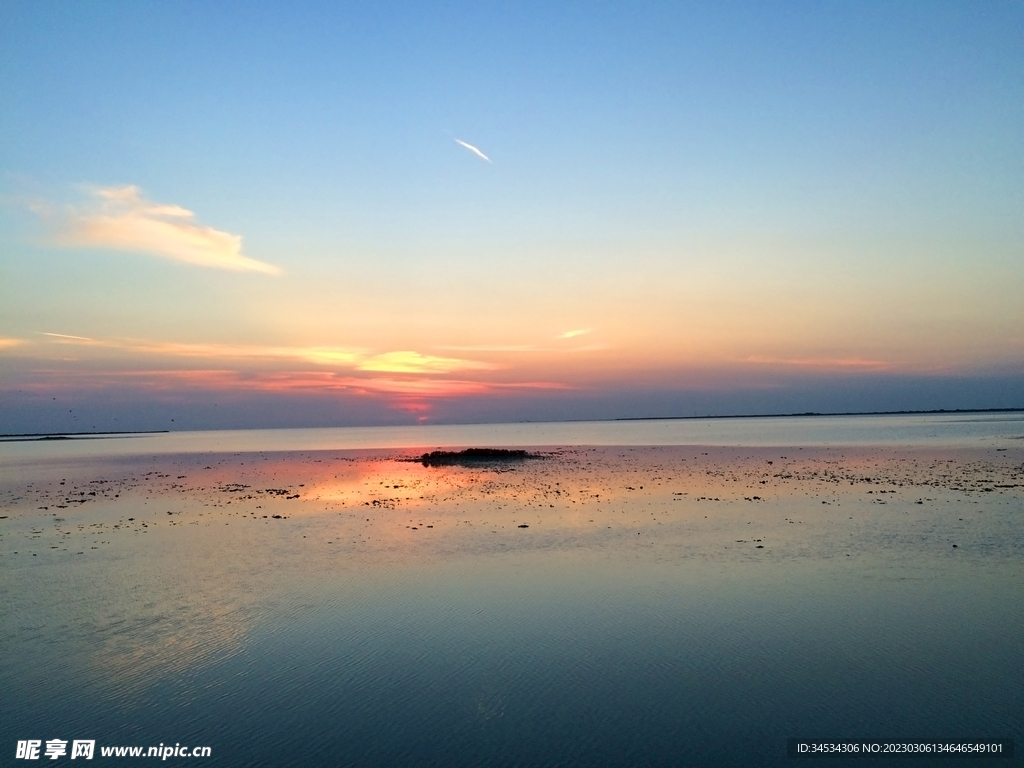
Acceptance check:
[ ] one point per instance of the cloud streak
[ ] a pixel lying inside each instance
(401, 362)
(403, 379)
(296, 382)
(574, 334)
(473, 149)
(122, 219)
(414, 362)
(823, 363)
(7, 343)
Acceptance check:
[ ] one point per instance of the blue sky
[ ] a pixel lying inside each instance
(721, 207)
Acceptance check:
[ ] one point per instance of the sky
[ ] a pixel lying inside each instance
(229, 215)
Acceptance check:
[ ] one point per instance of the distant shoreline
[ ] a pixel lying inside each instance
(27, 437)
(73, 435)
(816, 413)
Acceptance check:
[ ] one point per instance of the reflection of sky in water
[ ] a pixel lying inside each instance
(651, 610)
(940, 429)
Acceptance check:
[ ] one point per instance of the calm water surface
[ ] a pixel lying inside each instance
(643, 644)
(916, 430)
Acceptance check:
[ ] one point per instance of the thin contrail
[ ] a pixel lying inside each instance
(66, 336)
(473, 149)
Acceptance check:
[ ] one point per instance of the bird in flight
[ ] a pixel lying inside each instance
(473, 149)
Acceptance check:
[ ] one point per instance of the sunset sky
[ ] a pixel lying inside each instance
(331, 213)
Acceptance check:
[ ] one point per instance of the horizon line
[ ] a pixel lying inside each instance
(816, 413)
(8, 437)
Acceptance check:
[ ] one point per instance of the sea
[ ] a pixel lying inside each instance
(650, 637)
(932, 429)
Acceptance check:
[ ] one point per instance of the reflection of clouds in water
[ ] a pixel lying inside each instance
(120, 628)
(173, 601)
(154, 643)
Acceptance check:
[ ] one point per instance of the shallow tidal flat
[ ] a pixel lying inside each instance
(591, 606)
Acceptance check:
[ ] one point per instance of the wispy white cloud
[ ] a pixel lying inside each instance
(414, 362)
(473, 149)
(401, 362)
(338, 356)
(121, 218)
(574, 334)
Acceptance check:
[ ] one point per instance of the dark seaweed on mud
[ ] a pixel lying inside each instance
(474, 457)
